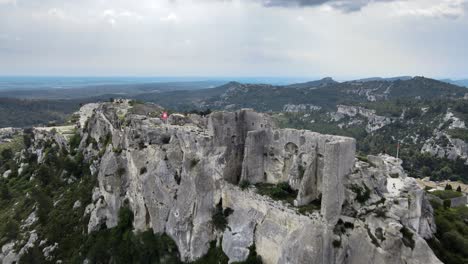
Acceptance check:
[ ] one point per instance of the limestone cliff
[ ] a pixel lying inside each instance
(173, 176)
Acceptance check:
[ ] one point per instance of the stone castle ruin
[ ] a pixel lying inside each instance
(173, 176)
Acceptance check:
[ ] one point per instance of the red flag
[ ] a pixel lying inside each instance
(164, 116)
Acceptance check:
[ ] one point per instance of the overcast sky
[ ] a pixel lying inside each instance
(339, 38)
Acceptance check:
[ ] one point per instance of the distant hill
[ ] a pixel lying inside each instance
(463, 82)
(321, 94)
(124, 90)
(263, 97)
(391, 79)
(319, 83)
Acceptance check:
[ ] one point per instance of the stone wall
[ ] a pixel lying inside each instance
(312, 163)
(278, 231)
(229, 130)
(459, 201)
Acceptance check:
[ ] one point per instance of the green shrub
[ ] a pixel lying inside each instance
(6, 154)
(244, 184)
(215, 255)
(381, 212)
(165, 139)
(311, 207)
(362, 158)
(44, 205)
(75, 141)
(194, 162)
(339, 228)
(117, 150)
(11, 229)
(362, 193)
(219, 217)
(281, 191)
(121, 245)
(106, 140)
(336, 243)
(446, 194)
(5, 193)
(32, 255)
(447, 203)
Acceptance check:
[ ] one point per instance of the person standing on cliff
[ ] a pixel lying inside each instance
(164, 117)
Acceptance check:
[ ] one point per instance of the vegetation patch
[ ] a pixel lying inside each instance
(281, 191)
(339, 228)
(362, 158)
(311, 207)
(451, 239)
(446, 194)
(244, 184)
(219, 218)
(15, 145)
(381, 212)
(122, 245)
(215, 255)
(336, 243)
(194, 162)
(362, 193)
(460, 133)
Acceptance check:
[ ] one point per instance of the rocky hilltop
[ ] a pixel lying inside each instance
(178, 176)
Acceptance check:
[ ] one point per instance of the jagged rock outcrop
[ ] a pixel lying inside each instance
(173, 176)
(296, 108)
(374, 121)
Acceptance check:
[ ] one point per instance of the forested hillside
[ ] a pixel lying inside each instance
(24, 113)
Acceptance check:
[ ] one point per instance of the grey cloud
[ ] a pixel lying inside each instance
(343, 5)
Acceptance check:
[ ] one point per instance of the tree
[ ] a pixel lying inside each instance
(445, 172)
(7, 154)
(426, 171)
(11, 229)
(44, 174)
(5, 192)
(44, 203)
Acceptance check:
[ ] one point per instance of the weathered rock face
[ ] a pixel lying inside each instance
(374, 121)
(292, 108)
(174, 175)
(7, 133)
(443, 145)
(393, 204)
(311, 163)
